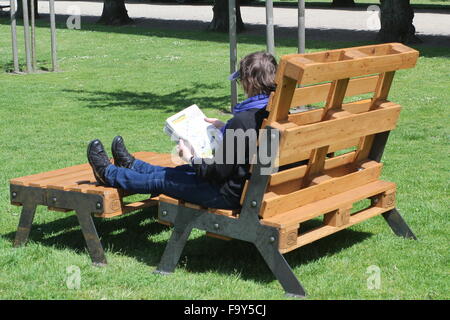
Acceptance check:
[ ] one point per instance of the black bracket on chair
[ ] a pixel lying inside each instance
(392, 217)
(83, 204)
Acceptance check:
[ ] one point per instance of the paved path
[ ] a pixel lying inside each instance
(321, 23)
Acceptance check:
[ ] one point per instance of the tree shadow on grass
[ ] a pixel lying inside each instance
(133, 235)
(316, 38)
(127, 235)
(242, 258)
(170, 102)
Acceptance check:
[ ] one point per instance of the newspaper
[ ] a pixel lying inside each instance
(190, 125)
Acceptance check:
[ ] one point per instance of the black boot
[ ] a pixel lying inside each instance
(98, 159)
(122, 158)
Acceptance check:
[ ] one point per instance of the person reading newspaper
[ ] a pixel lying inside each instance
(215, 182)
(190, 126)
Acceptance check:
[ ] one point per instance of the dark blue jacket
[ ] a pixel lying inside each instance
(232, 176)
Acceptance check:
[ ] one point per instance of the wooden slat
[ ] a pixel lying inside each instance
(143, 154)
(223, 212)
(334, 102)
(335, 97)
(41, 179)
(244, 191)
(59, 209)
(337, 54)
(297, 173)
(309, 137)
(157, 159)
(313, 116)
(338, 217)
(112, 197)
(326, 230)
(94, 188)
(291, 157)
(275, 205)
(130, 207)
(344, 145)
(281, 100)
(383, 60)
(24, 181)
(315, 165)
(218, 236)
(387, 199)
(383, 86)
(80, 178)
(318, 93)
(287, 175)
(66, 181)
(78, 186)
(354, 54)
(376, 50)
(288, 236)
(318, 208)
(282, 65)
(364, 147)
(310, 95)
(318, 57)
(302, 118)
(193, 206)
(359, 106)
(316, 73)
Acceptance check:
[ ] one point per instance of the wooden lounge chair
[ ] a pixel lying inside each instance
(328, 159)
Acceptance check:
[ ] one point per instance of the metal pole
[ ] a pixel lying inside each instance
(14, 35)
(26, 31)
(233, 48)
(33, 35)
(53, 34)
(301, 26)
(269, 27)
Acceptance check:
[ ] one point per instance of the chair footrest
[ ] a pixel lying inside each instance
(80, 178)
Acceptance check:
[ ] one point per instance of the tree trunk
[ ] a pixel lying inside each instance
(114, 13)
(343, 3)
(220, 21)
(19, 9)
(397, 22)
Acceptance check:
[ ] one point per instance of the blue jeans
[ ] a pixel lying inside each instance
(180, 182)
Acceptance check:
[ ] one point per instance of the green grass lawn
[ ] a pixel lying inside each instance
(127, 81)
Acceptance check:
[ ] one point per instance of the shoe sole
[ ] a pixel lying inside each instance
(97, 177)
(113, 147)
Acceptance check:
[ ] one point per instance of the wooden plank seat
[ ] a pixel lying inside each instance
(75, 188)
(326, 161)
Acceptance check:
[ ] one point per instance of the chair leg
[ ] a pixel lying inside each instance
(398, 225)
(25, 222)
(173, 250)
(91, 237)
(282, 271)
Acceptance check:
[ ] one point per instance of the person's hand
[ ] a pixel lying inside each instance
(184, 152)
(215, 122)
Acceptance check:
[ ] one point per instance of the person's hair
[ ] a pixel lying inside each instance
(257, 73)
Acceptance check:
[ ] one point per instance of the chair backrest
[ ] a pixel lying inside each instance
(325, 150)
